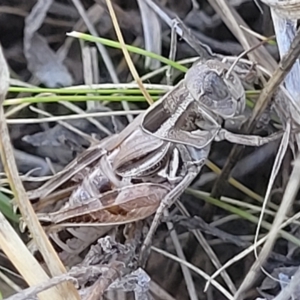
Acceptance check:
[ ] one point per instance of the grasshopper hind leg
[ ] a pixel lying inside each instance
(192, 160)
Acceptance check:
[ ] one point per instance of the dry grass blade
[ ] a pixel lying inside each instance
(73, 117)
(152, 34)
(186, 272)
(210, 253)
(89, 24)
(233, 20)
(251, 248)
(288, 198)
(80, 111)
(65, 291)
(88, 70)
(9, 282)
(66, 125)
(278, 76)
(196, 270)
(275, 170)
(102, 50)
(131, 66)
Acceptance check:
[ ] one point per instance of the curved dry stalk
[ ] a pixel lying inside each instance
(131, 66)
(264, 98)
(251, 248)
(288, 197)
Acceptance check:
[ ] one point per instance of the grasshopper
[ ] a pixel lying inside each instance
(144, 169)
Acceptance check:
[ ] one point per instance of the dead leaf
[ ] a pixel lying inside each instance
(61, 144)
(270, 287)
(27, 162)
(42, 61)
(137, 281)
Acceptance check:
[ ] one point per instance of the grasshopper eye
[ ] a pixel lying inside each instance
(215, 87)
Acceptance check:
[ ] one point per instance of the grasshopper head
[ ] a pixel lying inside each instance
(208, 84)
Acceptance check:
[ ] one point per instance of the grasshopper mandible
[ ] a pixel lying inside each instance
(144, 169)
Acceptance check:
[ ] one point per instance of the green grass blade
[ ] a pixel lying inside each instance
(6, 208)
(70, 91)
(114, 44)
(243, 214)
(48, 99)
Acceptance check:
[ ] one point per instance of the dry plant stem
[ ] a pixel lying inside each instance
(131, 66)
(9, 282)
(22, 259)
(80, 111)
(257, 35)
(119, 266)
(88, 70)
(19, 12)
(66, 291)
(251, 49)
(288, 198)
(95, 67)
(30, 293)
(264, 98)
(275, 170)
(115, 270)
(152, 34)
